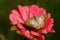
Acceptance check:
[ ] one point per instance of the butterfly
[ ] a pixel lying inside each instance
(36, 22)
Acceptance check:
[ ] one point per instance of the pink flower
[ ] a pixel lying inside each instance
(32, 21)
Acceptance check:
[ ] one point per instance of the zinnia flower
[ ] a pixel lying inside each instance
(31, 21)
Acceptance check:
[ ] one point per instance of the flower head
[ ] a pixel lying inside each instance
(31, 21)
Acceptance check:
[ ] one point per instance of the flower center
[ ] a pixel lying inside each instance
(36, 22)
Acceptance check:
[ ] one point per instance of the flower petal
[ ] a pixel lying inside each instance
(26, 33)
(40, 37)
(20, 26)
(49, 15)
(52, 30)
(22, 12)
(49, 27)
(13, 28)
(27, 10)
(30, 15)
(43, 31)
(35, 39)
(48, 21)
(34, 9)
(13, 18)
(42, 11)
(15, 12)
(34, 33)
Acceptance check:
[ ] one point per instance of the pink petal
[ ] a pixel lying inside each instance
(42, 11)
(20, 26)
(48, 21)
(23, 31)
(43, 31)
(34, 9)
(20, 20)
(34, 33)
(26, 33)
(23, 12)
(51, 20)
(49, 27)
(30, 15)
(49, 15)
(13, 18)
(52, 30)
(40, 37)
(35, 39)
(27, 10)
(15, 12)
(11, 29)
(49, 24)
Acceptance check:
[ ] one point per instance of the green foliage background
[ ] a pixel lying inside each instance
(52, 6)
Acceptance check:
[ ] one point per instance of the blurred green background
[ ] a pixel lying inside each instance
(52, 6)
